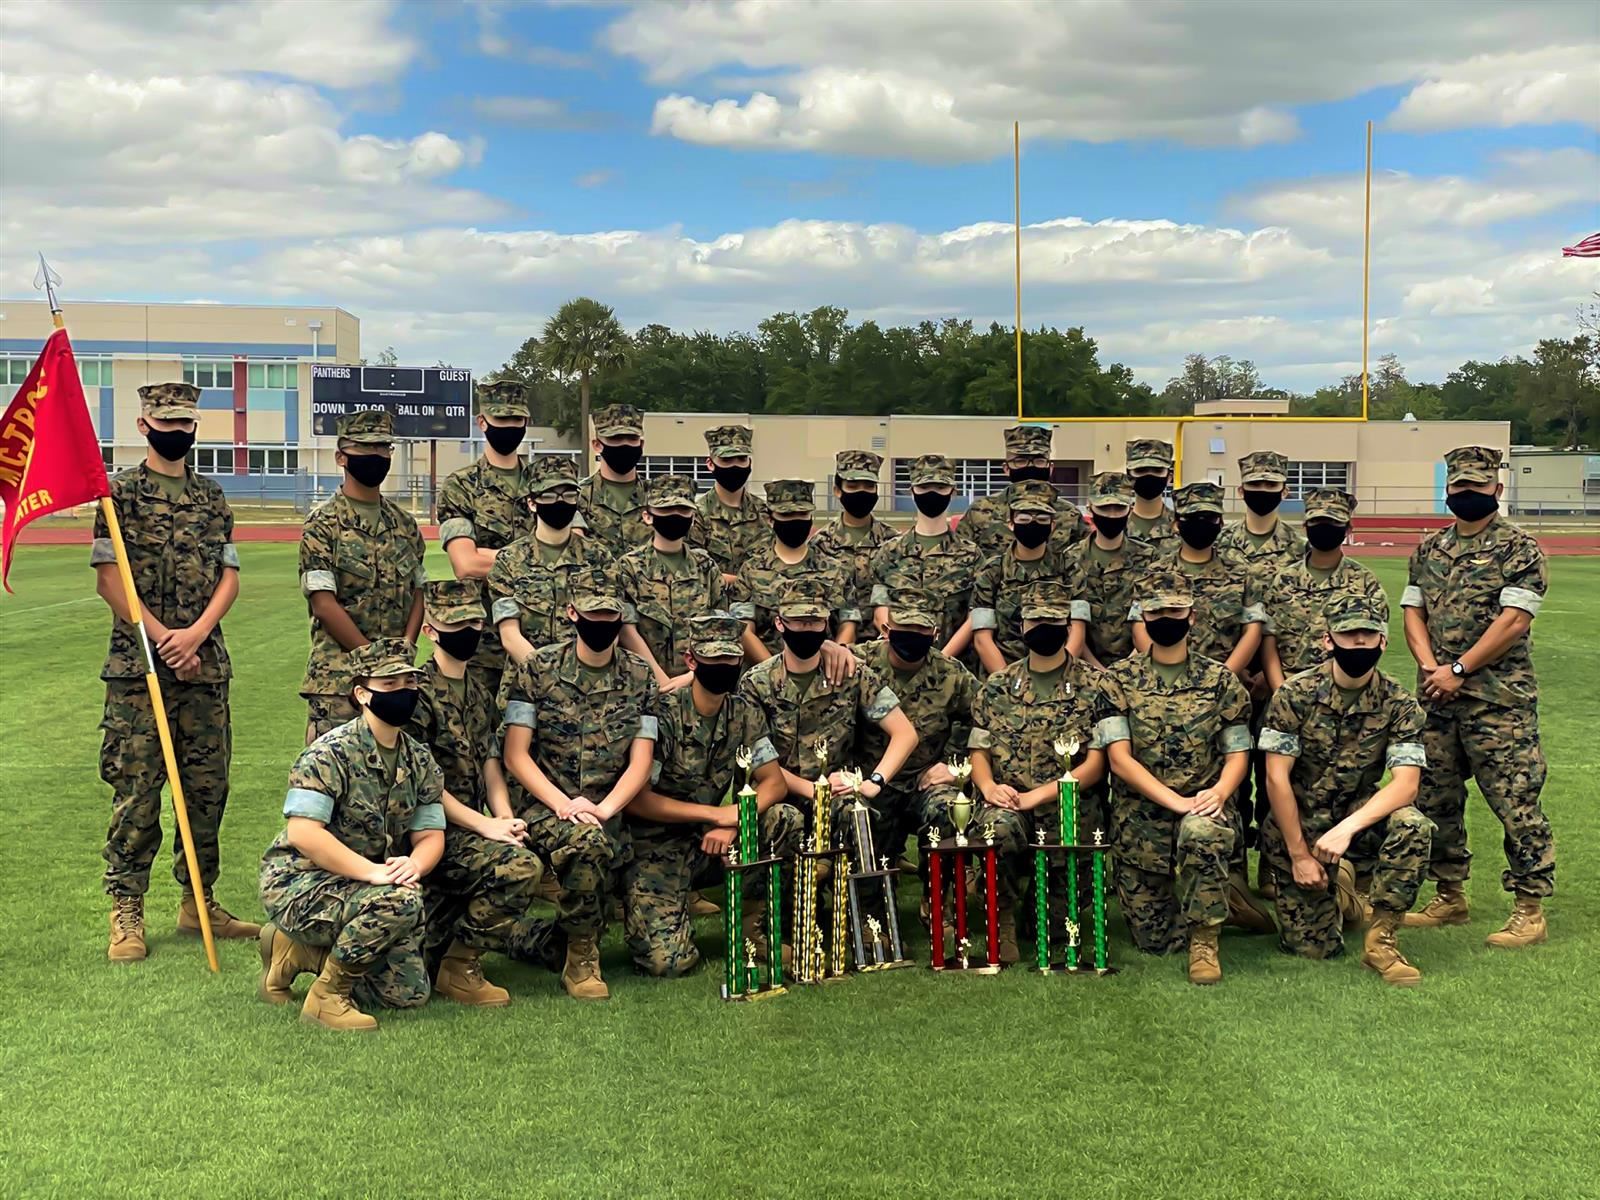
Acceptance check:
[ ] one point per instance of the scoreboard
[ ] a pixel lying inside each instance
(428, 403)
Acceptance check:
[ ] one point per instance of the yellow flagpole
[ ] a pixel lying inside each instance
(1016, 192)
(1366, 272)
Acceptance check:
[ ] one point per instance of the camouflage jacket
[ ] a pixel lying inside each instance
(618, 527)
(1294, 600)
(584, 722)
(946, 571)
(1160, 532)
(997, 593)
(1283, 547)
(487, 505)
(831, 542)
(730, 535)
(660, 597)
(1107, 583)
(536, 592)
(797, 722)
(1225, 601)
(177, 550)
(373, 569)
(1462, 584)
(459, 726)
(937, 698)
(987, 524)
(695, 755)
(1341, 746)
(1017, 726)
(763, 578)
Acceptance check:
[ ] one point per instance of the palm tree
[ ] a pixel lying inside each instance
(584, 339)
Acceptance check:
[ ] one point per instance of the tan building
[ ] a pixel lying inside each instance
(1559, 483)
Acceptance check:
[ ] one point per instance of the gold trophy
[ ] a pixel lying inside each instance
(820, 957)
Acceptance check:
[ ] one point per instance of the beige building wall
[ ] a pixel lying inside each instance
(1553, 481)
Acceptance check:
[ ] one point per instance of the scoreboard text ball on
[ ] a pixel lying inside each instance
(427, 402)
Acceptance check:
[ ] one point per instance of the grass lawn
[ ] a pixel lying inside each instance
(1291, 1079)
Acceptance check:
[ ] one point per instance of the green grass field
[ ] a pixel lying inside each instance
(1291, 1079)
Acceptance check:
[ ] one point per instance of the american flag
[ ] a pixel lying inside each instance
(1588, 248)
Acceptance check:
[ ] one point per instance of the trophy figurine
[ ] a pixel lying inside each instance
(872, 887)
(951, 858)
(820, 957)
(1069, 849)
(743, 979)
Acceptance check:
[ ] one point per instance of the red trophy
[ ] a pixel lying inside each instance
(949, 860)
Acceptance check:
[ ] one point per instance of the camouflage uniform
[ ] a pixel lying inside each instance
(178, 550)
(1105, 593)
(584, 723)
(489, 506)
(613, 522)
(764, 577)
(1225, 601)
(660, 594)
(372, 565)
(1296, 597)
(730, 535)
(459, 725)
(1171, 869)
(944, 570)
(997, 590)
(986, 523)
(1281, 548)
(695, 756)
(1490, 730)
(834, 541)
(1162, 531)
(375, 930)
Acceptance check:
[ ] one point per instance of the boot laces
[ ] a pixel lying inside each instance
(471, 969)
(129, 913)
(586, 966)
(1206, 952)
(1519, 921)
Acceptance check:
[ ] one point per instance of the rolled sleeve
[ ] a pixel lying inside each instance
(1254, 614)
(1405, 754)
(1235, 738)
(1135, 611)
(1412, 597)
(303, 802)
(880, 595)
(655, 771)
(420, 575)
(318, 581)
(884, 703)
(1081, 611)
(427, 816)
(762, 753)
(984, 618)
(848, 614)
(743, 609)
(102, 552)
(456, 527)
(630, 613)
(649, 728)
(1112, 729)
(230, 555)
(504, 608)
(1516, 597)
(980, 739)
(1275, 741)
(521, 712)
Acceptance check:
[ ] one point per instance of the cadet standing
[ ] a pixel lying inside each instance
(1032, 554)
(766, 575)
(986, 523)
(1109, 565)
(928, 557)
(361, 569)
(1261, 538)
(1475, 587)
(665, 584)
(612, 499)
(179, 533)
(1150, 468)
(730, 524)
(854, 536)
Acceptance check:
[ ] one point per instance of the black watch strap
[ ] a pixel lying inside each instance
(877, 778)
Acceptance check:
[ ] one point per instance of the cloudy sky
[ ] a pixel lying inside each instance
(452, 171)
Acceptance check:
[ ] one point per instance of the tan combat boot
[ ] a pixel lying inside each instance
(283, 960)
(1448, 907)
(1381, 954)
(328, 1002)
(461, 979)
(581, 975)
(699, 906)
(1205, 967)
(224, 925)
(1245, 911)
(1525, 927)
(1353, 906)
(127, 929)
(1008, 934)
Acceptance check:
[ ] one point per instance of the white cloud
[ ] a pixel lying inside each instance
(1540, 87)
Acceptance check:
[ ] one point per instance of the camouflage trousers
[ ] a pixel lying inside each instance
(374, 930)
(584, 860)
(324, 713)
(1016, 833)
(477, 893)
(131, 763)
(1171, 877)
(1499, 747)
(1393, 854)
(666, 865)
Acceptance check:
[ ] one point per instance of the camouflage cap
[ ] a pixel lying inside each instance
(860, 466)
(382, 658)
(1028, 441)
(1111, 487)
(729, 441)
(1330, 503)
(1046, 600)
(716, 635)
(594, 590)
(1202, 496)
(669, 491)
(503, 398)
(1033, 495)
(805, 596)
(618, 420)
(1351, 612)
(1263, 466)
(551, 473)
(910, 606)
(453, 600)
(369, 427)
(932, 468)
(1472, 464)
(170, 401)
(1165, 589)
(1149, 452)
(791, 496)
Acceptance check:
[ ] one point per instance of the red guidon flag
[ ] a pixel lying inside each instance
(1588, 248)
(49, 456)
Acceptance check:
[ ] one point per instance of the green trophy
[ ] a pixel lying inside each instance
(744, 979)
(1070, 849)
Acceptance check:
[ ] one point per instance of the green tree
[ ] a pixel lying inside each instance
(583, 341)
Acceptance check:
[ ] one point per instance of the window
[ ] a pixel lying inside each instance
(652, 465)
(277, 376)
(96, 372)
(14, 370)
(274, 460)
(209, 373)
(974, 476)
(1308, 476)
(1591, 475)
(108, 455)
(213, 460)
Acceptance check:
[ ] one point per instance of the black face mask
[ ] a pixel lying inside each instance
(911, 647)
(931, 504)
(1110, 528)
(394, 708)
(504, 438)
(1470, 506)
(858, 504)
(1326, 535)
(1023, 474)
(1199, 532)
(804, 643)
(597, 635)
(1045, 640)
(557, 514)
(622, 459)
(1356, 663)
(1032, 535)
(671, 526)
(369, 470)
(170, 444)
(717, 678)
(1167, 631)
(731, 478)
(792, 531)
(1149, 487)
(460, 644)
(1261, 503)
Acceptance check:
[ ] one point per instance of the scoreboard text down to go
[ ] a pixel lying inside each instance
(427, 402)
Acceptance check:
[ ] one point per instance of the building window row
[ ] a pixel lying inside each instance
(1309, 476)
(974, 476)
(217, 459)
(279, 376)
(95, 372)
(653, 465)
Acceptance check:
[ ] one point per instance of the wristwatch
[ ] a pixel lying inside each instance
(1458, 670)
(877, 778)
